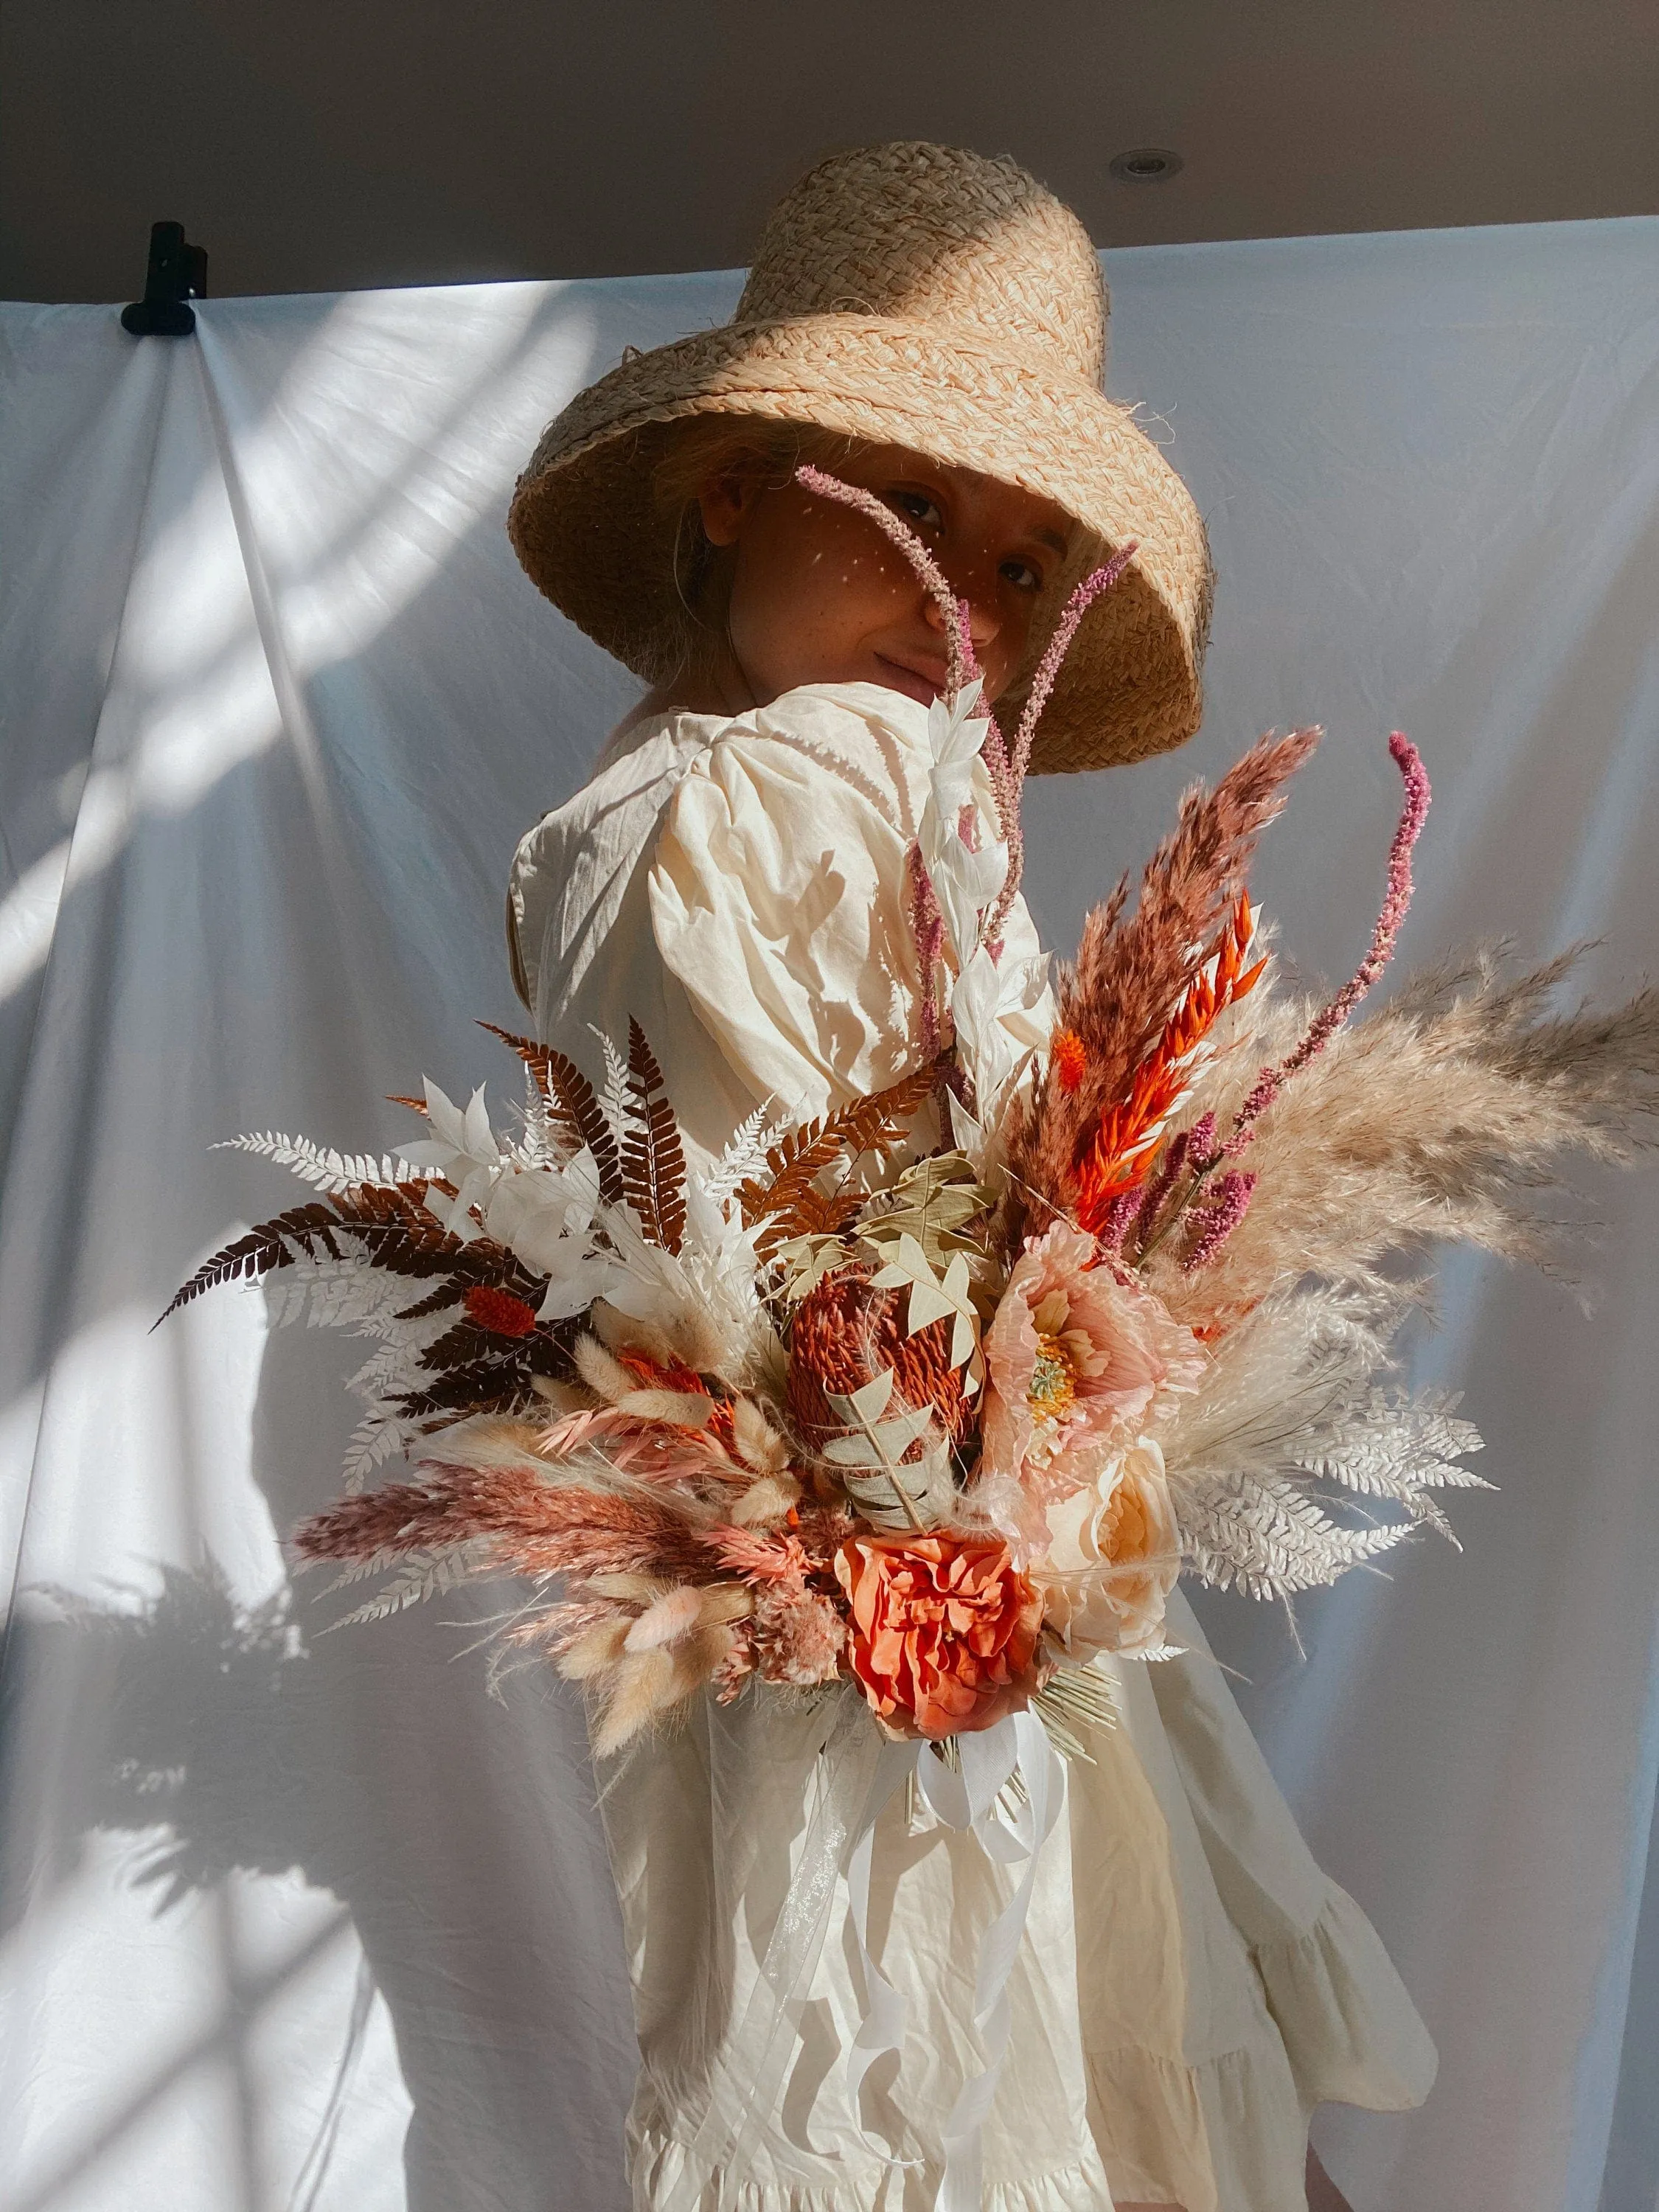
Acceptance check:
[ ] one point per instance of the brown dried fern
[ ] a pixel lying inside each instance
(573, 1107)
(788, 1201)
(652, 1159)
(387, 1224)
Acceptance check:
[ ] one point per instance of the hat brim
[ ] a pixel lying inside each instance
(587, 523)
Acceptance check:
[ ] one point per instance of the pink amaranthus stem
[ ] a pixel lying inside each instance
(1221, 1213)
(1384, 937)
(1005, 766)
(1098, 581)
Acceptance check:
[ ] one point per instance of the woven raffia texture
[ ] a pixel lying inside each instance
(920, 296)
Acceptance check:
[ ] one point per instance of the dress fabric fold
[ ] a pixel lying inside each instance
(1190, 1984)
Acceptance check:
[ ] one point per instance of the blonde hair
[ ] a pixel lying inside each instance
(720, 446)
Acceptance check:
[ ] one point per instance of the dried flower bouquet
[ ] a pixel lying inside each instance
(939, 1394)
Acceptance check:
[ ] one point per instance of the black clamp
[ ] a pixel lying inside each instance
(176, 273)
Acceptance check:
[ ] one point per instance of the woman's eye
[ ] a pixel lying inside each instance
(1022, 575)
(916, 506)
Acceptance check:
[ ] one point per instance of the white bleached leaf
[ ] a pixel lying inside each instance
(868, 1402)
(932, 1298)
(883, 1444)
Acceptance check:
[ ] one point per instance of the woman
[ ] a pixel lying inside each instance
(931, 325)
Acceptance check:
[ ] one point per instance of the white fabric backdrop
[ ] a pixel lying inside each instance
(277, 705)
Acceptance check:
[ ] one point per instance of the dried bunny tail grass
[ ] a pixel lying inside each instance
(1448, 1114)
(648, 1688)
(1130, 973)
(485, 1440)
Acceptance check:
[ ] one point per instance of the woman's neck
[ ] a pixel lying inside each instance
(715, 685)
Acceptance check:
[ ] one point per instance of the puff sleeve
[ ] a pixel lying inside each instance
(778, 893)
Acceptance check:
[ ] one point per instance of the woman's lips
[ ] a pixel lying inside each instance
(913, 682)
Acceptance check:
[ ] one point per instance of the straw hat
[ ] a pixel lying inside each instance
(911, 295)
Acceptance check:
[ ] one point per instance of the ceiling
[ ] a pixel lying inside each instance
(322, 144)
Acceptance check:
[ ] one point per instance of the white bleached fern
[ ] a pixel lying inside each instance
(744, 1154)
(614, 1096)
(379, 1436)
(1278, 1460)
(1268, 1537)
(420, 1576)
(320, 1165)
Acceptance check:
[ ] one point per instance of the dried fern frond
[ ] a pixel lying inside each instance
(786, 1201)
(419, 1576)
(574, 1110)
(744, 1154)
(1288, 1429)
(653, 1158)
(321, 1165)
(1264, 1535)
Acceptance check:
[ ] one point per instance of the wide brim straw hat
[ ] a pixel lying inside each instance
(912, 295)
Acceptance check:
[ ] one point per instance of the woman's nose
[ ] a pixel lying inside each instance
(984, 619)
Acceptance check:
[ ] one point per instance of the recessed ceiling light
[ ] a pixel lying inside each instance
(1144, 165)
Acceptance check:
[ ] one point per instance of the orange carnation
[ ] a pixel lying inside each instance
(943, 1629)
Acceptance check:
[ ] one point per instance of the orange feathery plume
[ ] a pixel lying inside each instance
(499, 1311)
(1128, 1135)
(1069, 1057)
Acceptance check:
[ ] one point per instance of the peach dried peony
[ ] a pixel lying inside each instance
(943, 1629)
(1074, 1359)
(1112, 1555)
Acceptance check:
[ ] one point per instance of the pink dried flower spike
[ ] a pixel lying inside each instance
(1384, 937)
(1005, 767)
(1216, 1220)
(958, 649)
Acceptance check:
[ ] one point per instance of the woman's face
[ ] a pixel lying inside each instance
(818, 595)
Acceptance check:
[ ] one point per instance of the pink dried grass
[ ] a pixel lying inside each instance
(636, 1444)
(1131, 972)
(529, 1526)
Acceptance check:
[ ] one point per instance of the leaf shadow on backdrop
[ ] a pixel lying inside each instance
(237, 1739)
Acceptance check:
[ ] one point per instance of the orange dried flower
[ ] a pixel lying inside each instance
(499, 1311)
(943, 1629)
(1069, 1057)
(1128, 1133)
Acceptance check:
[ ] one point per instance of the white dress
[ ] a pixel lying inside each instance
(1190, 1984)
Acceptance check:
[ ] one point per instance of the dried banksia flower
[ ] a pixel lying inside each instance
(845, 1331)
